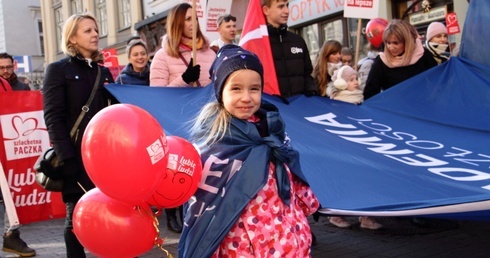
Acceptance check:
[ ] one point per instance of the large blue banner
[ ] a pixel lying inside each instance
(419, 148)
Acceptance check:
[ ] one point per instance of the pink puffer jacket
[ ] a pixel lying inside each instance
(166, 71)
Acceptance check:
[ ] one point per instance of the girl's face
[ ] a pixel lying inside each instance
(86, 39)
(352, 83)
(242, 93)
(138, 58)
(439, 38)
(347, 60)
(394, 45)
(334, 58)
(188, 24)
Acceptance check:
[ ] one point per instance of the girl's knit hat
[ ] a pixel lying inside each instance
(435, 28)
(231, 58)
(342, 75)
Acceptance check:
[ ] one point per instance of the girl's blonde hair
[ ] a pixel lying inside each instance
(70, 29)
(405, 33)
(320, 71)
(210, 125)
(175, 30)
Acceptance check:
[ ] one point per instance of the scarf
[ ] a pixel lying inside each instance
(354, 97)
(235, 170)
(400, 61)
(186, 43)
(439, 51)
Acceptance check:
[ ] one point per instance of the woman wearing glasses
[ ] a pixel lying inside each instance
(172, 65)
(226, 29)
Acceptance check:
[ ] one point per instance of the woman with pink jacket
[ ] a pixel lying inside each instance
(172, 64)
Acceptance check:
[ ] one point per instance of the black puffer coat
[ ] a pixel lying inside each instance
(292, 62)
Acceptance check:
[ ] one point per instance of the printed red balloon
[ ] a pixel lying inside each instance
(111, 228)
(182, 176)
(374, 31)
(124, 152)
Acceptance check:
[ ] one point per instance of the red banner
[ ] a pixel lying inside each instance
(255, 38)
(24, 137)
(452, 24)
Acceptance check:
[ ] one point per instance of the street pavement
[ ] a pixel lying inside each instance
(398, 238)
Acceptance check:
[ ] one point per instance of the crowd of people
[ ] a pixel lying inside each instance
(272, 186)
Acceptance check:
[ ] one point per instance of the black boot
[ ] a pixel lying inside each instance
(173, 225)
(12, 243)
(172, 221)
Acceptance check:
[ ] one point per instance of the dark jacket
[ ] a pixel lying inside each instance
(67, 87)
(129, 76)
(16, 84)
(292, 62)
(382, 77)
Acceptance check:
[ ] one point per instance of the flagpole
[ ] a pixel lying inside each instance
(194, 34)
(359, 21)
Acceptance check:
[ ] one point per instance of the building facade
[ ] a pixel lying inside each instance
(26, 45)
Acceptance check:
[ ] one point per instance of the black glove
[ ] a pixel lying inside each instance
(310, 93)
(70, 168)
(49, 170)
(191, 74)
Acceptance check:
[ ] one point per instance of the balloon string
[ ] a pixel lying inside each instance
(158, 241)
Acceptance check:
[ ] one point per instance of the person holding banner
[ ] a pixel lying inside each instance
(253, 200)
(290, 52)
(68, 83)
(173, 65)
(328, 60)
(12, 242)
(437, 42)
(403, 57)
(137, 71)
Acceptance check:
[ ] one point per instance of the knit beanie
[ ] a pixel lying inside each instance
(434, 29)
(342, 75)
(231, 58)
(133, 43)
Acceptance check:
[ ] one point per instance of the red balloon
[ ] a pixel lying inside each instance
(374, 31)
(124, 152)
(182, 176)
(110, 228)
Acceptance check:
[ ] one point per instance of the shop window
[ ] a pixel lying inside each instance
(310, 35)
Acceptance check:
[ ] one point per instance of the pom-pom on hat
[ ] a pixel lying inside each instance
(231, 58)
(133, 43)
(342, 75)
(435, 28)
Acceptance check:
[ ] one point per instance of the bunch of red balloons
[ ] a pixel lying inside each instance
(133, 165)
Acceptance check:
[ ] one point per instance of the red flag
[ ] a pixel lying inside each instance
(255, 38)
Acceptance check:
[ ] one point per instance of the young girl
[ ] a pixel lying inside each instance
(345, 86)
(253, 199)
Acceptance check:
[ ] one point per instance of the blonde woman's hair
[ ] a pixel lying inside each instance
(320, 71)
(70, 29)
(405, 33)
(175, 30)
(210, 125)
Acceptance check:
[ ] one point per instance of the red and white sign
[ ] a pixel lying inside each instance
(24, 136)
(452, 24)
(110, 58)
(361, 9)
